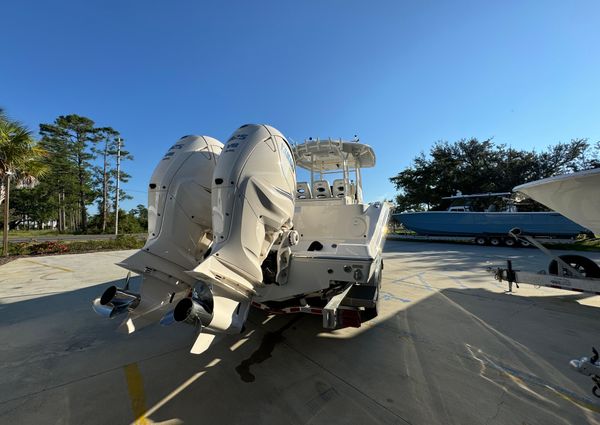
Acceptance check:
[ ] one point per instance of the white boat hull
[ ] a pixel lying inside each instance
(576, 196)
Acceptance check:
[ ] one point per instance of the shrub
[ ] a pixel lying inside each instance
(61, 247)
(21, 248)
(48, 248)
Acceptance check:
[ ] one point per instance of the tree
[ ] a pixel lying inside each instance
(107, 148)
(20, 160)
(472, 166)
(33, 205)
(141, 215)
(69, 141)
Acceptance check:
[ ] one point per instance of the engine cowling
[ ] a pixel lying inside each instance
(179, 201)
(252, 205)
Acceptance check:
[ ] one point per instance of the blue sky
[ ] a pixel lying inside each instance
(400, 74)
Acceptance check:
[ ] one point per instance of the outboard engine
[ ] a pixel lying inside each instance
(252, 206)
(179, 230)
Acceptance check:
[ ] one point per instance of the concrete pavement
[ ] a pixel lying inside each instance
(449, 348)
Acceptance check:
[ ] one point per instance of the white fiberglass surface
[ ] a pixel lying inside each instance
(576, 196)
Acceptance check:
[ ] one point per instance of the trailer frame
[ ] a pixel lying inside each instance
(568, 278)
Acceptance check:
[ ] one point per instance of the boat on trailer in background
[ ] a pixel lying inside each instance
(487, 218)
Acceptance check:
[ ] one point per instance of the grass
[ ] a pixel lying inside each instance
(579, 245)
(30, 233)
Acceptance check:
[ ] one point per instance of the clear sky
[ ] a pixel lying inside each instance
(399, 74)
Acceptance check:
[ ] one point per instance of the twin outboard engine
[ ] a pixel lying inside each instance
(214, 213)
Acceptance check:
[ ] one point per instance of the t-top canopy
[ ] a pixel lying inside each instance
(478, 195)
(326, 155)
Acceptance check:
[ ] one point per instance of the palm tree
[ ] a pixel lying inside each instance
(20, 160)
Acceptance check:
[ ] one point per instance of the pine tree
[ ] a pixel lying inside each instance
(105, 173)
(69, 140)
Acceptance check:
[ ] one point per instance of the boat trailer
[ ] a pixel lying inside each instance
(569, 272)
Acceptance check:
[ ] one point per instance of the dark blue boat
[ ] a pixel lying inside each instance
(488, 215)
(454, 223)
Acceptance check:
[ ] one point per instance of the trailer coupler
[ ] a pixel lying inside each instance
(589, 367)
(508, 274)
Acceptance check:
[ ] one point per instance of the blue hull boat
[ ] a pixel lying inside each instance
(453, 223)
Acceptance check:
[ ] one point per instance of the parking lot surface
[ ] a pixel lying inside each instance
(449, 347)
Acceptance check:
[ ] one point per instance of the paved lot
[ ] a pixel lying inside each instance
(449, 348)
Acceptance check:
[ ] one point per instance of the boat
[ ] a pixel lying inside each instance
(488, 218)
(575, 195)
(338, 230)
(231, 228)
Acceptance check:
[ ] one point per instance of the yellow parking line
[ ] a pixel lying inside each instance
(135, 385)
(64, 269)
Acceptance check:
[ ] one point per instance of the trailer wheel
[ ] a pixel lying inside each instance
(510, 242)
(583, 265)
(480, 240)
(495, 241)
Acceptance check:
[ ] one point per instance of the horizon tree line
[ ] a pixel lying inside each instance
(473, 166)
(69, 168)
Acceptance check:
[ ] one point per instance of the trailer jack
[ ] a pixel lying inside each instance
(508, 274)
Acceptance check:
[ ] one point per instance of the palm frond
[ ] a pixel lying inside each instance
(18, 151)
